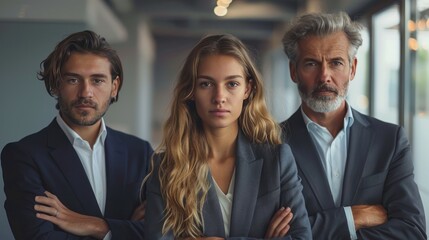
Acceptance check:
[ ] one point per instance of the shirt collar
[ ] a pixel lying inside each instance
(73, 136)
(348, 118)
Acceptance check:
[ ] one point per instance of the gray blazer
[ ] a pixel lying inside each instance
(265, 179)
(379, 170)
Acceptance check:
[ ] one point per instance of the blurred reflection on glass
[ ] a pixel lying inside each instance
(359, 96)
(386, 64)
(421, 117)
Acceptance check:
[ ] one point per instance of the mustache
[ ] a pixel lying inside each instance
(85, 102)
(325, 87)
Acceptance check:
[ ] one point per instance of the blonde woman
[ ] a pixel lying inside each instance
(220, 171)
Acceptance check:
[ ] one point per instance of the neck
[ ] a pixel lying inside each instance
(87, 133)
(222, 143)
(333, 121)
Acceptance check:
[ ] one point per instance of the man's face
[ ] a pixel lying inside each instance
(323, 71)
(86, 89)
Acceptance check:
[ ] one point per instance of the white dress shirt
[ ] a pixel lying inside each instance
(333, 153)
(93, 161)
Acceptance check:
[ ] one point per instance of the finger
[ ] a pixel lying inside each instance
(277, 218)
(50, 195)
(140, 207)
(139, 213)
(45, 209)
(284, 231)
(44, 200)
(282, 225)
(49, 218)
(270, 230)
(58, 203)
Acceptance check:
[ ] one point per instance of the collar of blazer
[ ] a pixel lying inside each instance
(309, 163)
(247, 172)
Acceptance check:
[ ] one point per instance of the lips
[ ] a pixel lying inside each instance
(85, 103)
(84, 106)
(219, 112)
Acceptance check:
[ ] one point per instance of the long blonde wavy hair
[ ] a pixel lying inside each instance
(184, 149)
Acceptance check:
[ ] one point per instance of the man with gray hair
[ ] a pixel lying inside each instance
(357, 171)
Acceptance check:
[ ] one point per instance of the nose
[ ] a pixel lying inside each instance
(325, 73)
(85, 90)
(219, 95)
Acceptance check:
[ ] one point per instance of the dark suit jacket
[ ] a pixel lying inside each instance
(47, 161)
(265, 180)
(379, 170)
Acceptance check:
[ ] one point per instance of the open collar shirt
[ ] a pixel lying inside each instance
(333, 153)
(93, 160)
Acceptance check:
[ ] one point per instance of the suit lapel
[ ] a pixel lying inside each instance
(358, 148)
(213, 221)
(248, 171)
(116, 166)
(307, 159)
(68, 162)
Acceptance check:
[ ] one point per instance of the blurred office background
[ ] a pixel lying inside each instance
(153, 37)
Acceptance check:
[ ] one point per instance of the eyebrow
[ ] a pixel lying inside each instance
(227, 78)
(96, 75)
(306, 59)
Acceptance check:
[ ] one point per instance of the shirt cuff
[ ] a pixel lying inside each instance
(350, 222)
(108, 236)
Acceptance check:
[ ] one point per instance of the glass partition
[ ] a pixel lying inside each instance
(386, 64)
(420, 45)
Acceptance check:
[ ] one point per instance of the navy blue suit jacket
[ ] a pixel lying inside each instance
(379, 170)
(265, 179)
(47, 161)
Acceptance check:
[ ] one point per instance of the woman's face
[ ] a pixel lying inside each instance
(220, 90)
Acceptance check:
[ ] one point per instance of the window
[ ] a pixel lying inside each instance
(420, 45)
(358, 90)
(386, 64)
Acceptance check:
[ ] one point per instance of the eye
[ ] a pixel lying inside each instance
(72, 80)
(97, 81)
(233, 84)
(337, 63)
(205, 84)
(310, 64)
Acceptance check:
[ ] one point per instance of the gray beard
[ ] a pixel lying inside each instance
(323, 104)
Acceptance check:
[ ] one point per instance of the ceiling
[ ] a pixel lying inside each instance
(251, 19)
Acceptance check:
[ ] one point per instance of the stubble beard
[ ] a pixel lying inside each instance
(82, 117)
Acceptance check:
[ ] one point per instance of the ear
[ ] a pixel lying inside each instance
(54, 92)
(248, 90)
(353, 69)
(115, 86)
(292, 71)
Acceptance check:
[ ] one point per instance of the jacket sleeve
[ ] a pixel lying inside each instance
(401, 199)
(330, 224)
(291, 195)
(22, 183)
(155, 206)
(128, 229)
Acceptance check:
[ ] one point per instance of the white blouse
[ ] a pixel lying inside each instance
(225, 202)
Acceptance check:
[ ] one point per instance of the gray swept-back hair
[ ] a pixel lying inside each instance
(321, 24)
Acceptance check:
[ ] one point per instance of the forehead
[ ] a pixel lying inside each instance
(332, 45)
(86, 62)
(221, 64)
